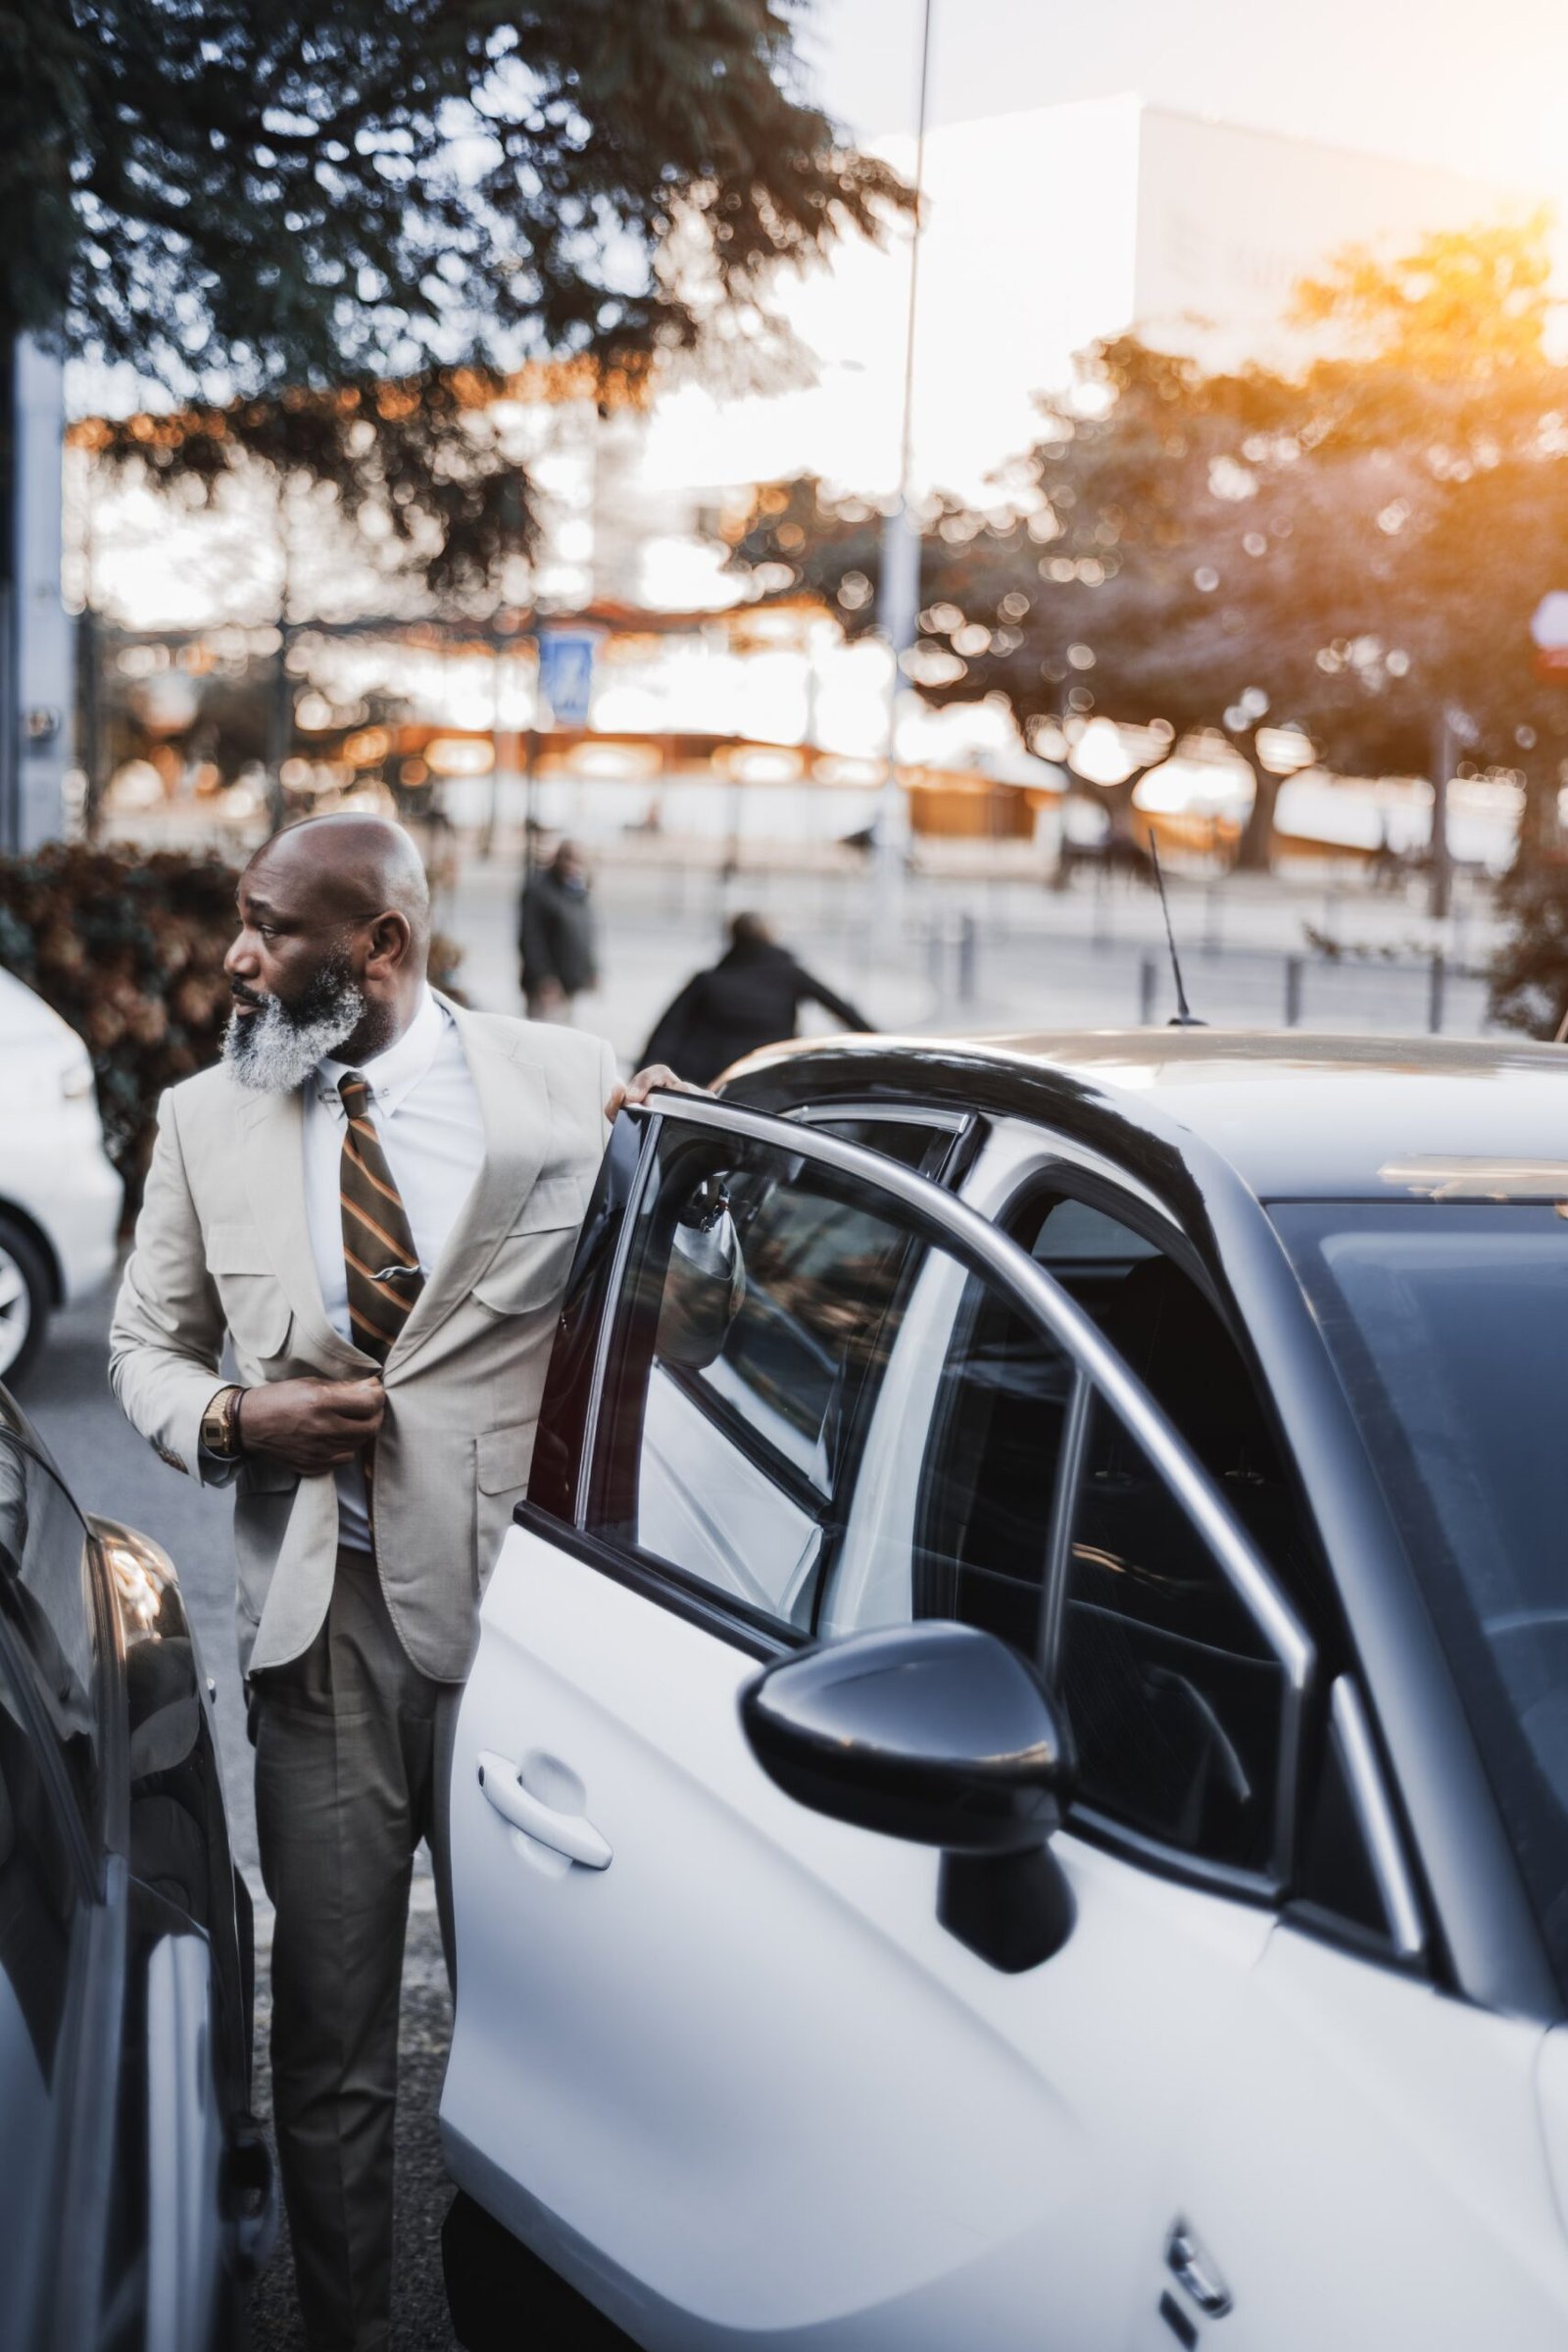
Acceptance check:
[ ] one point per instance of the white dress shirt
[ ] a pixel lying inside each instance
(426, 1110)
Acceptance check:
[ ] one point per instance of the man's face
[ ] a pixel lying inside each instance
(292, 975)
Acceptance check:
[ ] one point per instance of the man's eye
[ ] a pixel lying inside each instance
(267, 930)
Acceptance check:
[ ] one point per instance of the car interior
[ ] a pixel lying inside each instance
(1174, 1696)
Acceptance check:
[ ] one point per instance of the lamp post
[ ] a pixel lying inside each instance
(900, 600)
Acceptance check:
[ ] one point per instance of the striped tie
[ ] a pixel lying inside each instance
(382, 1264)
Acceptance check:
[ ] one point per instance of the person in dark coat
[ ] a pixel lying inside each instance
(557, 936)
(752, 997)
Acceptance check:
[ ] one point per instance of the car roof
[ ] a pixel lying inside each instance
(1299, 1116)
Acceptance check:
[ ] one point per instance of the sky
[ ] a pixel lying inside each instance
(1480, 85)
(1047, 229)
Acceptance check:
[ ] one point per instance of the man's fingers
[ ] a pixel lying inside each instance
(657, 1075)
(356, 1401)
(616, 1098)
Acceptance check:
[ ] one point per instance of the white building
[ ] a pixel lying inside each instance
(1045, 231)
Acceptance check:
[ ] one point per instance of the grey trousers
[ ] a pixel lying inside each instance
(352, 1747)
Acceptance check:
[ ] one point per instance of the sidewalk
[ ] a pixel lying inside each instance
(976, 954)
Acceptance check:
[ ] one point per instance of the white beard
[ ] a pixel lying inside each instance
(271, 1052)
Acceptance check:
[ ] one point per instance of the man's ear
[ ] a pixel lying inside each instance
(391, 939)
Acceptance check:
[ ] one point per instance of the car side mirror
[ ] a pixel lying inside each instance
(942, 1733)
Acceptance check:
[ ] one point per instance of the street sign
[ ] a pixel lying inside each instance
(1548, 630)
(566, 673)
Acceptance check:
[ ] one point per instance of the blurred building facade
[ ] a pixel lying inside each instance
(1045, 231)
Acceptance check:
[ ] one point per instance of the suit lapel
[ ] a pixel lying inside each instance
(514, 1107)
(274, 1153)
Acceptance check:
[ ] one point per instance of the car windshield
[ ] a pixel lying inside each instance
(1447, 1321)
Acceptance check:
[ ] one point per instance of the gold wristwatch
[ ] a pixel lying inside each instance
(219, 1435)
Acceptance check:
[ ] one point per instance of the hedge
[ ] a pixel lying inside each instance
(128, 947)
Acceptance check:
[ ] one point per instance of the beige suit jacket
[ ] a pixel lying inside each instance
(223, 1246)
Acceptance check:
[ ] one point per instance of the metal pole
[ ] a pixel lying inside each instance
(1441, 862)
(1437, 983)
(901, 537)
(1292, 992)
(966, 956)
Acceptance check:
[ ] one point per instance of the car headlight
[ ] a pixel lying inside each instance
(143, 1574)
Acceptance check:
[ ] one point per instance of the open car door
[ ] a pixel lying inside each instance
(750, 2074)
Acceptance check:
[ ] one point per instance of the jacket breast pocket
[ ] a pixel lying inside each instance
(255, 1303)
(529, 1270)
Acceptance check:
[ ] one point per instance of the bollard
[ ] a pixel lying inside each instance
(1292, 992)
(1147, 973)
(967, 944)
(1436, 985)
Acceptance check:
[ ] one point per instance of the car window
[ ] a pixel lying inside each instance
(916, 1144)
(46, 1597)
(759, 1307)
(1166, 1329)
(1176, 1698)
(1445, 1319)
(955, 1509)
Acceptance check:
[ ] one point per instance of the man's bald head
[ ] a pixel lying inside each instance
(333, 944)
(349, 866)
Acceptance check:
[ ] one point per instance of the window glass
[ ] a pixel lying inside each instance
(973, 1537)
(46, 1597)
(1166, 1329)
(752, 1336)
(1175, 1699)
(918, 1147)
(1446, 1321)
(816, 1411)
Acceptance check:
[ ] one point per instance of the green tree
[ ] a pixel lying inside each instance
(275, 211)
(1353, 551)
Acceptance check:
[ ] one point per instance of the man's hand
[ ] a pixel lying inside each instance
(311, 1425)
(657, 1075)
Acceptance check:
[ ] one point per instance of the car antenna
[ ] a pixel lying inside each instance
(1183, 1017)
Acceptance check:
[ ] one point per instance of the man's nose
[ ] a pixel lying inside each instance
(241, 961)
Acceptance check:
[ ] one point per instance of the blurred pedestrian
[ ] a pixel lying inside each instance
(752, 997)
(558, 947)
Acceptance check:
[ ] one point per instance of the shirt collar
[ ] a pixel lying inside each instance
(395, 1073)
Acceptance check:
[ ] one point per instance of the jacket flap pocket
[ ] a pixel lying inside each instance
(503, 1457)
(529, 1271)
(236, 1249)
(553, 1201)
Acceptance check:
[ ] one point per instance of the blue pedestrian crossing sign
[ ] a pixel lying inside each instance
(566, 673)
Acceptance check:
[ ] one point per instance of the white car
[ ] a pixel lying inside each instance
(1014, 1791)
(60, 1198)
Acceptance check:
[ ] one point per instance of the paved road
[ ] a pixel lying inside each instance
(112, 1470)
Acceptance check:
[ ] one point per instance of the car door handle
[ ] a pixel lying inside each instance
(1189, 2261)
(566, 1834)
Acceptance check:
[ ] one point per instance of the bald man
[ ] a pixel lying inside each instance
(374, 1198)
